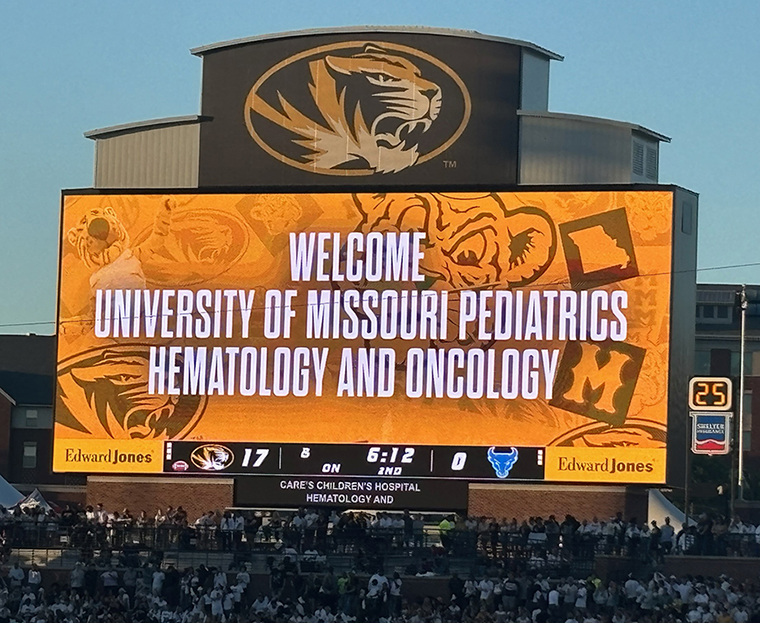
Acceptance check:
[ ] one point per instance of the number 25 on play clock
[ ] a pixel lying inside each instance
(709, 393)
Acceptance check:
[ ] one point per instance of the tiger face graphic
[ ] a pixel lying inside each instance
(104, 393)
(473, 240)
(634, 432)
(374, 107)
(202, 244)
(393, 106)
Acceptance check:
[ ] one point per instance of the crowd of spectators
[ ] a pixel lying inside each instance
(332, 532)
(96, 528)
(211, 595)
(521, 572)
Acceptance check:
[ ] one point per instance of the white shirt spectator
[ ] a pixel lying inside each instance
(261, 604)
(395, 587)
(243, 577)
(581, 598)
(16, 575)
(239, 525)
(77, 576)
(570, 591)
(158, 581)
(485, 586)
(741, 615)
(632, 588)
(378, 583)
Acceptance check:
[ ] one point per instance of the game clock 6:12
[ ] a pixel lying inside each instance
(709, 393)
(391, 459)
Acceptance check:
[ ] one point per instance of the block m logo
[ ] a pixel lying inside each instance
(597, 380)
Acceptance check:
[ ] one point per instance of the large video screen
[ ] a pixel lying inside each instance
(481, 336)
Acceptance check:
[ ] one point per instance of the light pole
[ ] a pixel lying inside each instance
(740, 477)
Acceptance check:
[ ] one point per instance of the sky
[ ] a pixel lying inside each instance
(683, 68)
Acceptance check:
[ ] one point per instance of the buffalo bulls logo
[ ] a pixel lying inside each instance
(357, 108)
(502, 462)
(104, 393)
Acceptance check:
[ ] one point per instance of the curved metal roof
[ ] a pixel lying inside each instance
(137, 126)
(421, 30)
(570, 117)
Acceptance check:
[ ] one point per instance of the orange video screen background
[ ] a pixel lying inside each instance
(500, 319)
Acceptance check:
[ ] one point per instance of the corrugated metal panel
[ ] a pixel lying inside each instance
(573, 151)
(164, 157)
(534, 81)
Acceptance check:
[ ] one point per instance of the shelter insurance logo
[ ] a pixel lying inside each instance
(357, 108)
(711, 433)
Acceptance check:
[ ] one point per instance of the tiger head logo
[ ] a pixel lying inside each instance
(473, 240)
(202, 244)
(104, 393)
(635, 432)
(374, 107)
(212, 457)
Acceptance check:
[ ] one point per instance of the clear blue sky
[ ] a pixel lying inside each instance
(685, 68)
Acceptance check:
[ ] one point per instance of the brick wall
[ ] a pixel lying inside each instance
(195, 495)
(583, 502)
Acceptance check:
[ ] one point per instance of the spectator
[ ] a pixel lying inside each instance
(16, 575)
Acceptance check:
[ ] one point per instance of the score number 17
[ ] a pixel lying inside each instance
(261, 454)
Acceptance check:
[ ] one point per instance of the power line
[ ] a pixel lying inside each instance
(36, 323)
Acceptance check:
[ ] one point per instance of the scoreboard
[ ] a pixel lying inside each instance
(465, 463)
(491, 336)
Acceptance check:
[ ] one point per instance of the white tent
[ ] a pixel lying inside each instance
(35, 500)
(9, 496)
(661, 507)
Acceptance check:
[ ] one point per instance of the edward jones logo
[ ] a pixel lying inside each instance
(646, 465)
(357, 108)
(96, 455)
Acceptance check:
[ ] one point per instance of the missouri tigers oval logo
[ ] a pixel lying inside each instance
(357, 108)
(212, 457)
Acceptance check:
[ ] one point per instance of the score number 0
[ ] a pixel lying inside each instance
(710, 393)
